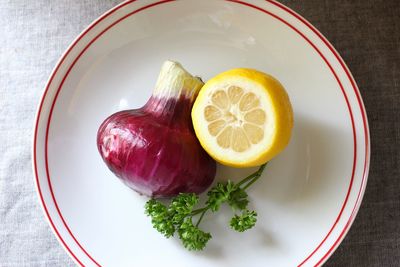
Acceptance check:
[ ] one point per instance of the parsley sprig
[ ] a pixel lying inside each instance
(179, 215)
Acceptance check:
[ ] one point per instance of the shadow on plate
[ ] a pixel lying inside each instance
(300, 174)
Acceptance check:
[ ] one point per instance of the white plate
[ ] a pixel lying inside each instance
(309, 194)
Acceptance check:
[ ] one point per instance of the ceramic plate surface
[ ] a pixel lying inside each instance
(308, 196)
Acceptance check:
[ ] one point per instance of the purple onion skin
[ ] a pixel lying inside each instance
(154, 149)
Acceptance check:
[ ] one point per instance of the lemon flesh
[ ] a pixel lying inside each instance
(243, 117)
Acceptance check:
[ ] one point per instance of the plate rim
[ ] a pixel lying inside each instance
(60, 62)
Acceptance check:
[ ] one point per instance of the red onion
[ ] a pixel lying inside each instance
(154, 149)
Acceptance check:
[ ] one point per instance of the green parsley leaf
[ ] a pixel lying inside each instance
(192, 237)
(160, 218)
(238, 199)
(181, 206)
(219, 194)
(244, 221)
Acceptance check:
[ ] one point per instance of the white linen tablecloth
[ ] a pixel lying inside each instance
(33, 34)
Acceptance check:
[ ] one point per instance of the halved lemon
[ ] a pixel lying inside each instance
(243, 117)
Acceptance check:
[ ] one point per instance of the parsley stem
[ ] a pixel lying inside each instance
(256, 177)
(195, 212)
(246, 179)
(251, 182)
(201, 217)
(255, 174)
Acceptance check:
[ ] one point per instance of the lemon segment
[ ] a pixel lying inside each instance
(243, 117)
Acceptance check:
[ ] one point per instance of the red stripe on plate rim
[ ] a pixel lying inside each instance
(353, 83)
(365, 125)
